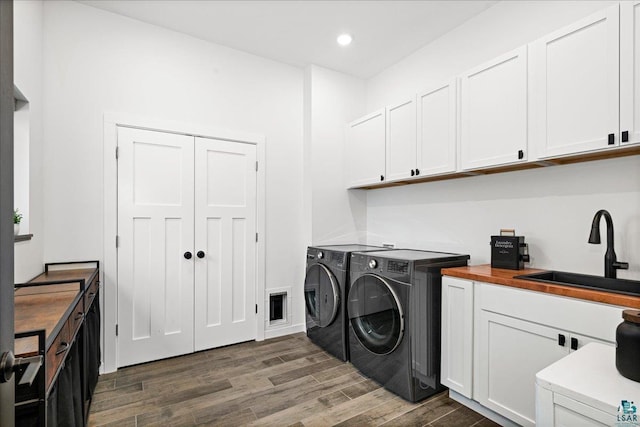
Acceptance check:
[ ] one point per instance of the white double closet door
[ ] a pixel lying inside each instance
(187, 244)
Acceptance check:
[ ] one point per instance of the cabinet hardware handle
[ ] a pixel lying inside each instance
(417, 172)
(574, 343)
(187, 255)
(611, 139)
(200, 254)
(79, 316)
(381, 177)
(561, 340)
(625, 136)
(413, 172)
(64, 347)
(520, 154)
(92, 294)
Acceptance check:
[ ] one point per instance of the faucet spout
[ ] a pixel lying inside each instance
(611, 264)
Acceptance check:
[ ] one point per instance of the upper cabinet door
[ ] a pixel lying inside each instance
(401, 140)
(575, 86)
(437, 130)
(630, 72)
(494, 112)
(366, 150)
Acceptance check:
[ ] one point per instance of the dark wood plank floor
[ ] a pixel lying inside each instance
(286, 381)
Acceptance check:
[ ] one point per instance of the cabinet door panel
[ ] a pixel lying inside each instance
(575, 86)
(494, 112)
(569, 412)
(437, 130)
(511, 352)
(457, 335)
(366, 150)
(630, 71)
(401, 140)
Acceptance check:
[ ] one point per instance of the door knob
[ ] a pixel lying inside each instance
(187, 255)
(200, 254)
(9, 364)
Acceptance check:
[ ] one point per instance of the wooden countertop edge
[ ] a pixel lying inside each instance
(484, 273)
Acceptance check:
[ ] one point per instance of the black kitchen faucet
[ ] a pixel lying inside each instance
(611, 264)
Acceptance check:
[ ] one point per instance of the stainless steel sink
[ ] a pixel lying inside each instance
(618, 286)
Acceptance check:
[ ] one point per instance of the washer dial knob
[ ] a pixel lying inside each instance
(373, 263)
(320, 255)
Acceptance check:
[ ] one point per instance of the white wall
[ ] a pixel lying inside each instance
(97, 62)
(28, 78)
(552, 207)
(337, 216)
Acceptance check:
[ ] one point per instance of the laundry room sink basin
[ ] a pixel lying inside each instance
(618, 286)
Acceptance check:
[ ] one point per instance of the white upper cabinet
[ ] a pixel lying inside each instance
(494, 112)
(630, 72)
(401, 140)
(575, 86)
(365, 163)
(437, 130)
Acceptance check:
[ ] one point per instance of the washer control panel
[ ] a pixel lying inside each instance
(397, 269)
(327, 257)
(401, 267)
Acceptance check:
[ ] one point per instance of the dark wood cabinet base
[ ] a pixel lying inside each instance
(63, 304)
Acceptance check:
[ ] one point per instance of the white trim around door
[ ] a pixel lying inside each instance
(110, 173)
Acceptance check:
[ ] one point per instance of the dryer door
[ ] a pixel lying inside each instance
(375, 314)
(321, 295)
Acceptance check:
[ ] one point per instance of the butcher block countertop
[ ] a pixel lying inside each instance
(499, 276)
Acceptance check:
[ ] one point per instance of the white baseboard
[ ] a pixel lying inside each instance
(286, 330)
(486, 412)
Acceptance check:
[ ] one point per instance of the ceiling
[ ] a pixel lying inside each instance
(304, 32)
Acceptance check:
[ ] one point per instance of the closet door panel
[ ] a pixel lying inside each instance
(155, 230)
(225, 242)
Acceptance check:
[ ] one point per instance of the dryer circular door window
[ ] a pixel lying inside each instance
(375, 314)
(321, 295)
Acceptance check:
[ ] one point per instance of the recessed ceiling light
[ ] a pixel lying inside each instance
(344, 39)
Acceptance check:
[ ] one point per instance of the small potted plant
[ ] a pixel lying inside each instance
(17, 217)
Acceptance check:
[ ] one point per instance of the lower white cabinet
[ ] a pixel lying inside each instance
(457, 338)
(496, 338)
(511, 352)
